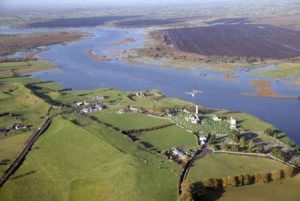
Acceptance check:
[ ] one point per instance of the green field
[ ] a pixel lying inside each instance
(223, 165)
(73, 163)
(166, 138)
(129, 120)
(18, 105)
(8, 69)
(283, 71)
(11, 146)
(287, 189)
(25, 107)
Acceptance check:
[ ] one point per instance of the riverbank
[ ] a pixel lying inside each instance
(12, 43)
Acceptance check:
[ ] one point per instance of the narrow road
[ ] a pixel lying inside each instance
(16, 164)
(201, 151)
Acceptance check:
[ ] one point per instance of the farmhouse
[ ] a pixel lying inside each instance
(216, 118)
(141, 94)
(202, 140)
(19, 127)
(78, 104)
(179, 154)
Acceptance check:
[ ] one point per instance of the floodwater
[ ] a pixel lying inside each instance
(78, 71)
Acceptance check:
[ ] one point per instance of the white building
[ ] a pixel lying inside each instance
(194, 119)
(232, 123)
(81, 104)
(139, 94)
(178, 153)
(202, 140)
(133, 109)
(216, 118)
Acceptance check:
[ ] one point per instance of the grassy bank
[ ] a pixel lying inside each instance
(283, 71)
(10, 69)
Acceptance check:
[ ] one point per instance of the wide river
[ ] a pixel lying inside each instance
(78, 71)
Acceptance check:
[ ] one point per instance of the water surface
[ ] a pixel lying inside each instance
(78, 71)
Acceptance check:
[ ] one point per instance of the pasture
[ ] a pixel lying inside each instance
(74, 163)
(129, 120)
(223, 165)
(166, 138)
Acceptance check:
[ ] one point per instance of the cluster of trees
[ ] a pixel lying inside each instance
(139, 130)
(247, 179)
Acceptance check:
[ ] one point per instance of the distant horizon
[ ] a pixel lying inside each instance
(32, 4)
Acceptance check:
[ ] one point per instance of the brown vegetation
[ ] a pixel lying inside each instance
(264, 89)
(13, 43)
(186, 194)
(246, 179)
(92, 55)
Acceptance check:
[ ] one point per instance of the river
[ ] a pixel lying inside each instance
(79, 71)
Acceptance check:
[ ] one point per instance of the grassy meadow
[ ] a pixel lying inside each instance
(223, 165)
(166, 138)
(73, 163)
(9, 69)
(129, 120)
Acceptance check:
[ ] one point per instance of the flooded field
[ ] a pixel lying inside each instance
(233, 38)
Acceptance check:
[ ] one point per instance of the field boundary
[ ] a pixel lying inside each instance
(140, 130)
(19, 160)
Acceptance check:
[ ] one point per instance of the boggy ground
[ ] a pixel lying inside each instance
(242, 40)
(13, 43)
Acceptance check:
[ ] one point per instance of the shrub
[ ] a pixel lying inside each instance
(277, 175)
(269, 132)
(277, 152)
(186, 188)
